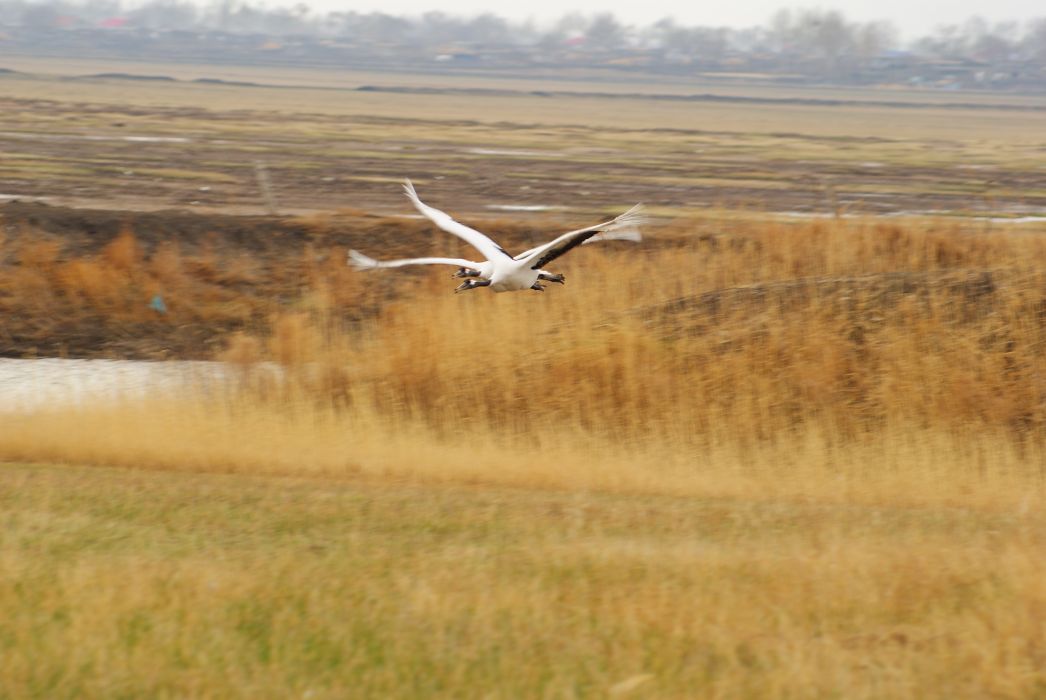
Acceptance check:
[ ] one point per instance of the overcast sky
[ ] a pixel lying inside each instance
(913, 17)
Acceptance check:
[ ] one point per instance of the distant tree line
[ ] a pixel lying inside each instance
(806, 42)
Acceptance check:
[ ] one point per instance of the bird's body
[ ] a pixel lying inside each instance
(500, 270)
(512, 279)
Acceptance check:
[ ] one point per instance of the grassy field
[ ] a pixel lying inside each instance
(139, 583)
(757, 455)
(788, 461)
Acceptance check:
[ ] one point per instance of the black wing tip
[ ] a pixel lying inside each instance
(568, 246)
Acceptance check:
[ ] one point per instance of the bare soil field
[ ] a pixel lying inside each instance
(155, 137)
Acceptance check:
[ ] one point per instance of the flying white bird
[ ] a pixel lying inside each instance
(500, 270)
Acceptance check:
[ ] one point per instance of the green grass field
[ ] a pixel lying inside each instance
(117, 583)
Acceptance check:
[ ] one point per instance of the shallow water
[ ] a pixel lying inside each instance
(32, 136)
(514, 152)
(524, 207)
(27, 385)
(1028, 219)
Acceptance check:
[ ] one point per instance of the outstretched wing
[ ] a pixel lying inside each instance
(625, 234)
(477, 240)
(363, 262)
(624, 227)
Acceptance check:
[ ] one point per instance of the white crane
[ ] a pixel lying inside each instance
(500, 270)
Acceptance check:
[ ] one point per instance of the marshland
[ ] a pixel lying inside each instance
(791, 444)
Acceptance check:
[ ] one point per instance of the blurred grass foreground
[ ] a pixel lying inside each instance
(797, 460)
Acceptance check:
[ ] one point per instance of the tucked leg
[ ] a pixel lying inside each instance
(548, 277)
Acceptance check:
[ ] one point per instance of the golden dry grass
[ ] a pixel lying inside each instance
(114, 284)
(53, 290)
(787, 461)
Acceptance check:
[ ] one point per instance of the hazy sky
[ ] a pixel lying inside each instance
(913, 17)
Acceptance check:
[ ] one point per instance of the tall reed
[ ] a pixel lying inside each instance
(910, 350)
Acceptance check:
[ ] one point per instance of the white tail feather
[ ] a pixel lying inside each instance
(361, 262)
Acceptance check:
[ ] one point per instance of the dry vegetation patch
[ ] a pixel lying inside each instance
(749, 461)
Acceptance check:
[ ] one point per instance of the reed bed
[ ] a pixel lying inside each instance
(776, 346)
